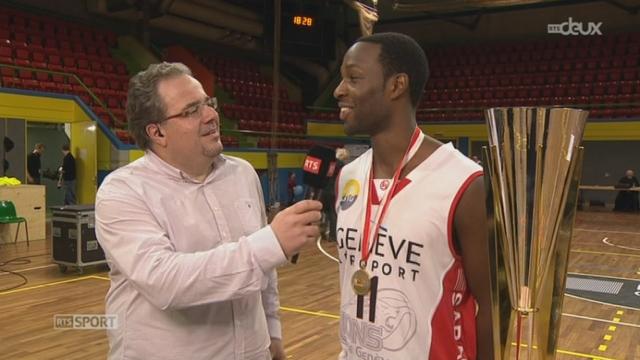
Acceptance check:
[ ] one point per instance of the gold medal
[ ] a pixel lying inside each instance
(361, 282)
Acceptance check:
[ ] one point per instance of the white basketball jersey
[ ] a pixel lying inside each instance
(419, 306)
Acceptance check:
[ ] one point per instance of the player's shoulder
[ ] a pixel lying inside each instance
(363, 160)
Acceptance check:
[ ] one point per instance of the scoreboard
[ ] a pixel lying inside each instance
(301, 20)
(307, 30)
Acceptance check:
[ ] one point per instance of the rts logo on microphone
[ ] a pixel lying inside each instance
(312, 165)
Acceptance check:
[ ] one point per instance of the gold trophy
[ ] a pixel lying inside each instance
(532, 165)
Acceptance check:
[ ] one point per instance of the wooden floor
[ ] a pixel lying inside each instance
(310, 302)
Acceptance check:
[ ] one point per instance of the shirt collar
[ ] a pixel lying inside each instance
(176, 174)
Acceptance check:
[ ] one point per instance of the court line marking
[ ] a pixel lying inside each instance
(27, 269)
(606, 241)
(315, 313)
(600, 320)
(306, 312)
(608, 336)
(332, 316)
(24, 256)
(588, 356)
(602, 276)
(593, 357)
(604, 253)
(47, 285)
(322, 314)
(609, 231)
(301, 311)
(600, 302)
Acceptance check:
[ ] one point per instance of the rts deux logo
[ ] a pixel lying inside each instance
(575, 28)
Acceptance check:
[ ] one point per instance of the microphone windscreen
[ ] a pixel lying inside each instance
(318, 166)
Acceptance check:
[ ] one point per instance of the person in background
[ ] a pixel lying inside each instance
(67, 177)
(329, 195)
(291, 186)
(8, 146)
(627, 200)
(34, 165)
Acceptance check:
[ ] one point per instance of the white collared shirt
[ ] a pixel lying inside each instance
(192, 263)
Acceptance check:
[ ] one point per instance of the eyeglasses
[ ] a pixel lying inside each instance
(194, 111)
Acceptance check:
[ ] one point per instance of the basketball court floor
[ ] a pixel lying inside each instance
(601, 313)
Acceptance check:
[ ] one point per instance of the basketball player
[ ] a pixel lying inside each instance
(411, 228)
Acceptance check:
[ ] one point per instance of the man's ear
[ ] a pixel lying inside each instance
(399, 85)
(156, 134)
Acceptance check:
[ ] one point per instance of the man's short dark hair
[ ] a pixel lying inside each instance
(65, 147)
(399, 53)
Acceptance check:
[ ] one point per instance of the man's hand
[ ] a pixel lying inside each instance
(297, 225)
(277, 351)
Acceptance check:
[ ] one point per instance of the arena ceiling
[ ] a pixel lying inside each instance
(240, 23)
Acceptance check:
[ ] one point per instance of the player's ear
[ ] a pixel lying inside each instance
(398, 85)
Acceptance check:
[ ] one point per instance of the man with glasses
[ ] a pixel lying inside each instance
(184, 232)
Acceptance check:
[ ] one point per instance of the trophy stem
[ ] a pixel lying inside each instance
(530, 348)
(533, 170)
(525, 319)
(518, 334)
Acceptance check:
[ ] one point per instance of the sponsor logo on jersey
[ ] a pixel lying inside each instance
(349, 194)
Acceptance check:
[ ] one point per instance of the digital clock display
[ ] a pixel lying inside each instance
(300, 20)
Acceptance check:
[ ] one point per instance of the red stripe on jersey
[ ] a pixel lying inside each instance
(375, 199)
(453, 327)
(402, 183)
(452, 211)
